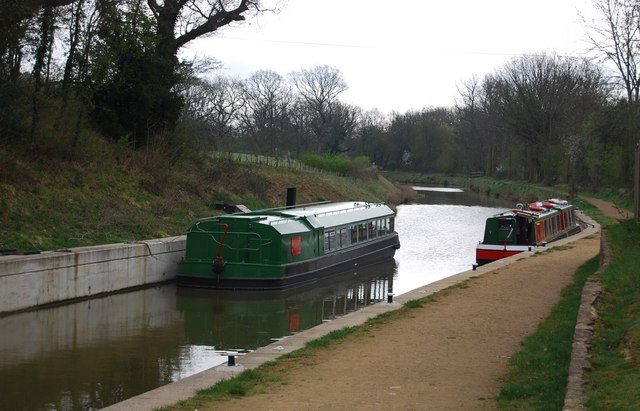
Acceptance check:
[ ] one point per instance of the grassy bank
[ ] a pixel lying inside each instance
(615, 376)
(538, 373)
(119, 195)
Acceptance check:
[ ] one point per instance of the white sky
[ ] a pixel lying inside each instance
(399, 55)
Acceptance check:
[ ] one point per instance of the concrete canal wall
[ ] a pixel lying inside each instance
(27, 281)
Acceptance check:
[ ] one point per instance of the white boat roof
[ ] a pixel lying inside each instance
(324, 215)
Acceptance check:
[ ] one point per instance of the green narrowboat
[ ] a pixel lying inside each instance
(521, 229)
(285, 247)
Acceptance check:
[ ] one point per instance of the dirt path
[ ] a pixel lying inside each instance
(609, 209)
(450, 355)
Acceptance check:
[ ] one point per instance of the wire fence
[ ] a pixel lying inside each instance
(279, 162)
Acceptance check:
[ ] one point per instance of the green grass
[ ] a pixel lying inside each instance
(414, 303)
(614, 380)
(52, 203)
(538, 372)
(246, 383)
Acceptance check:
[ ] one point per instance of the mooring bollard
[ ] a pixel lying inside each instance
(389, 297)
(474, 266)
(231, 361)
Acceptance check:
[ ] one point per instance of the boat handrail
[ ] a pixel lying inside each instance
(231, 233)
(239, 233)
(285, 207)
(325, 213)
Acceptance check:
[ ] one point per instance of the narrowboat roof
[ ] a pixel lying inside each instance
(537, 209)
(338, 214)
(291, 220)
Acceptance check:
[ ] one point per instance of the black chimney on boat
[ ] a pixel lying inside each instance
(291, 197)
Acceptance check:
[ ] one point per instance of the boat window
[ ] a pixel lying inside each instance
(505, 229)
(371, 232)
(354, 234)
(505, 225)
(330, 240)
(547, 227)
(362, 232)
(344, 237)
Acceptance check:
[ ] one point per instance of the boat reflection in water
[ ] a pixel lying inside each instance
(247, 320)
(94, 353)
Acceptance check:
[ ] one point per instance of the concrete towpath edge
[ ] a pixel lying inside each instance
(583, 334)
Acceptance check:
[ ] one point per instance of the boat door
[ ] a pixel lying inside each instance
(506, 228)
(523, 230)
(540, 235)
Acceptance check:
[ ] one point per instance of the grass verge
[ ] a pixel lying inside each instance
(615, 377)
(538, 375)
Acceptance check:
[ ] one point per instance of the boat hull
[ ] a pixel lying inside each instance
(294, 274)
(488, 253)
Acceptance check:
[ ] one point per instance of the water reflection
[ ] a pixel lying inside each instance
(455, 196)
(246, 320)
(87, 355)
(95, 353)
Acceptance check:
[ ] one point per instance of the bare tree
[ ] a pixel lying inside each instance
(471, 116)
(215, 105)
(370, 135)
(34, 5)
(46, 22)
(615, 35)
(320, 88)
(516, 120)
(265, 116)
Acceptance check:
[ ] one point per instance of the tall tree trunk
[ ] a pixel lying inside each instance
(44, 46)
(67, 78)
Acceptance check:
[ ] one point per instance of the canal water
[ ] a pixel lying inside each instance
(94, 353)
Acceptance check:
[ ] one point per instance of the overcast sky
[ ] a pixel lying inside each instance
(403, 54)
